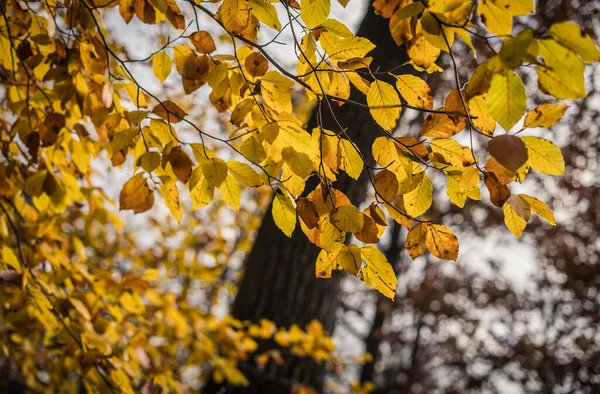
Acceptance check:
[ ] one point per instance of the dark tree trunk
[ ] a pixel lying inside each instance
(279, 283)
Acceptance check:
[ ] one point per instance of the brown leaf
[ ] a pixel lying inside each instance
(509, 151)
(386, 184)
(368, 233)
(169, 111)
(145, 11)
(377, 214)
(181, 164)
(499, 193)
(307, 212)
(136, 195)
(256, 64)
(52, 125)
(203, 42)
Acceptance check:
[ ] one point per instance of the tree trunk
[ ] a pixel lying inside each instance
(279, 283)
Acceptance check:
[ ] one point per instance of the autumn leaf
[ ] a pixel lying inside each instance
(136, 195)
(161, 65)
(314, 12)
(508, 150)
(545, 115)
(418, 201)
(439, 240)
(516, 214)
(169, 111)
(384, 105)
(544, 156)
(284, 214)
(378, 272)
(415, 91)
(203, 42)
(347, 218)
(506, 99)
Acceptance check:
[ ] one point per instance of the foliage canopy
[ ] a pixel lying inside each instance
(71, 99)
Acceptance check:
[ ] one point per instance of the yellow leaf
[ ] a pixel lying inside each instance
(215, 171)
(150, 161)
(384, 105)
(432, 30)
(201, 193)
(244, 174)
(514, 50)
(275, 90)
(349, 259)
(136, 195)
(387, 154)
(299, 162)
(478, 109)
(9, 258)
(415, 91)
(378, 272)
(339, 86)
(241, 110)
(347, 48)
(132, 303)
(497, 15)
(326, 263)
(452, 152)
(266, 13)
(464, 35)
(314, 12)
(540, 208)
(80, 308)
(253, 150)
(422, 52)
(571, 36)
(151, 274)
(469, 180)
(545, 115)
(231, 193)
(439, 240)
(338, 28)
(506, 99)
(170, 193)
(123, 139)
(121, 380)
(235, 15)
(516, 214)
(284, 214)
(386, 185)
(544, 156)
(415, 240)
(330, 237)
(420, 198)
(161, 65)
(347, 218)
(161, 131)
(348, 158)
(563, 77)
(358, 82)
